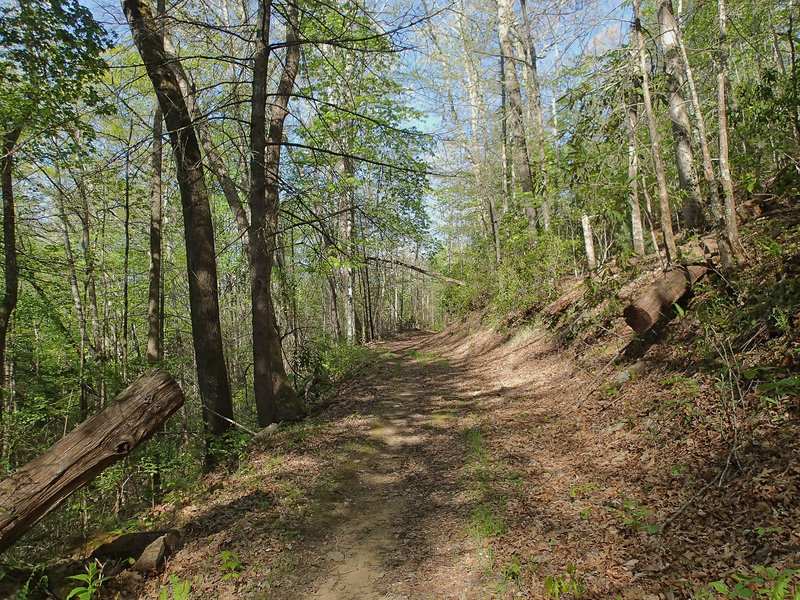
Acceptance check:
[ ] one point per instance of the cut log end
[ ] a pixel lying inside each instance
(639, 319)
(643, 313)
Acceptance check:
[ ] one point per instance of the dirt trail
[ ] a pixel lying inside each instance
(398, 511)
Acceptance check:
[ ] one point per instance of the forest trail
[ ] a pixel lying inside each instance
(467, 464)
(398, 512)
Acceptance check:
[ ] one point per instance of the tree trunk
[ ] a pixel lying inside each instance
(681, 128)
(631, 121)
(126, 261)
(212, 375)
(276, 399)
(476, 159)
(77, 458)
(504, 134)
(566, 299)
(9, 302)
(535, 105)
(729, 203)
(726, 248)
(643, 313)
(155, 342)
(516, 128)
(658, 162)
(588, 243)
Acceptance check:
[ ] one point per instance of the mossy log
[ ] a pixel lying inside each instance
(643, 312)
(133, 416)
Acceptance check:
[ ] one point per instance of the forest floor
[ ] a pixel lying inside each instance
(472, 463)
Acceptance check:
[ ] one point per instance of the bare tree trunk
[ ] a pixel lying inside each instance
(519, 145)
(126, 258)
(631, 121)
(212, 375)
(473, 151)
(729, 204)
(155, 341)
(41, 485)
(726, 249)
(9, 302)
(535, 105)
(681, 128)
(504, 133)
(588, 243)
(345, 171)
(335, 320)
(276, 399)
(658, 163)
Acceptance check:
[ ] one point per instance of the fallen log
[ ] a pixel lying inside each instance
(566, 299)
(45, 482)
(643, 312)
(400, 263)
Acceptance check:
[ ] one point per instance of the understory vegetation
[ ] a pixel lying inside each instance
(253, 197)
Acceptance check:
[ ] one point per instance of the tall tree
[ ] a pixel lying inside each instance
(631, 121)
(276, 399)
(155, 338)
(535, 108)
(516, 127)
(727, 250)
(679, 116)
(201, 265)
(729, 205)
(655, 145)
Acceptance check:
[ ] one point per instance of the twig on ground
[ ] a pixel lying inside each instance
(690, 501)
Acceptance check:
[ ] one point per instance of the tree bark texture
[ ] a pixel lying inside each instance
(276, 399)
(643, 313)
(77, 458)
(588, 243)
(679, 115)
(655, 145)
(212, 373)
(631, 121)
(726, 249)
(155, 343)
(728, 204)
(9, 302)
(535, 106)
(516, 128)
(566, 299)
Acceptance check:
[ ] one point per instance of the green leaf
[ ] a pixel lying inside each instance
(740, 591)
(718, 586)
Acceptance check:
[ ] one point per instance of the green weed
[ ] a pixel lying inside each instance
(177, 590)
(580, 490)
(92, 580)
(766, 582)
(633, 515)
(486, 522)
(231, 565)
(555, 586)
